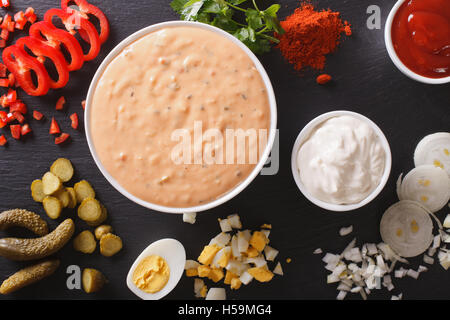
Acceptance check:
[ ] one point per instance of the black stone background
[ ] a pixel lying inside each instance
(365, 81)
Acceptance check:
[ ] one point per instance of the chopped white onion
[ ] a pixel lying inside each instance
(278, 269)
(225, 225)
(216, 294)
(270, 253)
(246, 278)
(317, 251)
(428, 259)
(191, 264)
(235, 221)
(345, 231)
(189, 217)
(341, 295)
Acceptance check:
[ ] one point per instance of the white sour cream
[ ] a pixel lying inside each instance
(342, 161)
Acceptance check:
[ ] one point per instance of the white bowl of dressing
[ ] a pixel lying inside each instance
(306, 133)
(230, 193)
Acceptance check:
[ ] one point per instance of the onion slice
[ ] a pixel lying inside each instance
(434, 149)
(407, 228)
(428, 185)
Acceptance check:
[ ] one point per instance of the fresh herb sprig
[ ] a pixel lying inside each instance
(256, 31)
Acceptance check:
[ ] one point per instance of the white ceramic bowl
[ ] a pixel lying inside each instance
(394, 57)
(305, 134)
(273, 117)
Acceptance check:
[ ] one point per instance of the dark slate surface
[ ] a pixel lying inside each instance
(365, 81)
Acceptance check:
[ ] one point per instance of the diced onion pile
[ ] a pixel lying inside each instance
(236, 258)
(406, 228)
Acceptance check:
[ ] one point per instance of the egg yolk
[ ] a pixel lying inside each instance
(151, 274)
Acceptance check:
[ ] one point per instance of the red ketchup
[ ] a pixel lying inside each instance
(421, 37)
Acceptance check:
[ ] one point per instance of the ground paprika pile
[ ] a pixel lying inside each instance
(311, 35)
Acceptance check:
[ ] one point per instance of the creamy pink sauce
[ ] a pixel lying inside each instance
(165, 81)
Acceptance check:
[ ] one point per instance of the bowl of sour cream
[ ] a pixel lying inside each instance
(341, 161)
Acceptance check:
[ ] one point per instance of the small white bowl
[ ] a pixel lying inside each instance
(305, 134)
(273, 117)
(393, 54)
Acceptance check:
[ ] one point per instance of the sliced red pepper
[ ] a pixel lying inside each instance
(3, 116)
(37, 115)
(54, 127)
(62, 138)
(86, 8)
(74, 23)
(3, 123)
(5, 3)
(60, 103)
(2, 43)
(20, 20)
(4, 83)
(20, 64)
(18, 106)
(19, 117)
(46, 31)
(74, 118)
(25, 129)
(30, 15)
(16, 130)
(39, 48)
(3, 140)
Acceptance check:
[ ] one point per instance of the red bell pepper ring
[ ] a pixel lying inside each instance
(40, 49)
(74, 118)
(20, 63)
(3, 140)
(74, 23)
(85, 8)
(45, 31)
(16, 130)
(60, 103)
(54, 127)
(62, 138)
(37, 115)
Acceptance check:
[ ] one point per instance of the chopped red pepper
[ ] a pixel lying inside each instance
(4, 34)
(60, 103)
(62, 138)
(54, 127)
(74, 118)
(19, 117)
(16, 130)
(3, 115)
(20, 20)
(3, 102)
(30, 15)
(5, 3)
(10, 117)
(37, 115)
(3, 140)
(4, 82)
(3, 123)
(11, 96)
(83, 104)
(3, 70)
(2, 43)
(11, 79)
(18, 106)
(8, 23)
(25, 129)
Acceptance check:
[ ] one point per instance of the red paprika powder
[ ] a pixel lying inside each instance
(311, 35)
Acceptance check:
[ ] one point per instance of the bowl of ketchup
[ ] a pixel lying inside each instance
(417, 36)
